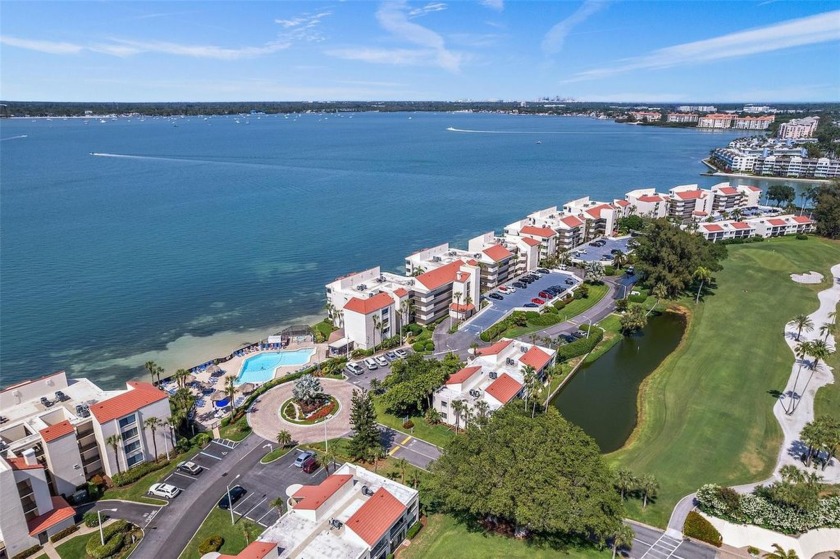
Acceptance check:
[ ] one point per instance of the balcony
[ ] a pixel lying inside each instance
(84, 449)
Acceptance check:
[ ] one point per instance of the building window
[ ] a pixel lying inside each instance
(131, 447)
(128, 420)
(132, 460)
(130, 434)
(443, 415)
(444, 404)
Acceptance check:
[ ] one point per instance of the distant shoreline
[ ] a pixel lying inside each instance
(718, 173)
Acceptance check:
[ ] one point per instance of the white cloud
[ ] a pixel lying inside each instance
(427, 9)
(556, 36)
(49, 47)
(397, 57)
(304, 20)
(497, 5)
(392, 17)
(821, 28)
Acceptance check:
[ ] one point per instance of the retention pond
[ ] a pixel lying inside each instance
(602, 396)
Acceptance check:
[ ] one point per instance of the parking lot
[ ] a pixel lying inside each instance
(599, 254)
(499, 309)
(209, 458)
(414, 451)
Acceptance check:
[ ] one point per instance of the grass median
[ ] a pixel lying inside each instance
(706, 412)
(218, 523)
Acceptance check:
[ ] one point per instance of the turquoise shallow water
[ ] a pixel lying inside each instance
(202, 226)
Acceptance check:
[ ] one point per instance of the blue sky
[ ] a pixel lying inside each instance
(627, 50)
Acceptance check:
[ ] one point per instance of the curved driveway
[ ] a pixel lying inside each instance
(264, 415)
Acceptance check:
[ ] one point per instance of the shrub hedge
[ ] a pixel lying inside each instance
(64, 533)
(413, 530)
(137, 472)
(91, 519)
(114, 536)
(701, 529)
(28, 552)
(581, 346)
(211, 544)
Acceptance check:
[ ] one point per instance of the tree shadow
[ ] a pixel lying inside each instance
(387, 437)
(797, 450)
(777, 394)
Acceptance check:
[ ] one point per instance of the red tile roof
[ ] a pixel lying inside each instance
(622, 203)
(19, 463)
(689, 194)
(497, 253)
(462, 277)
(530, 242)
(376, 516)
(494, 349)
(463, 307)
(572, 221)
(400, 292)
(597, 210)
(56, 431)
(650, 198)
(699, 212)
(313, 496)
(472, 262)
(504, 388)
(728, 190)
(740, 225)
(544, 232)
(753, 188)
(801, 219)
(440, 276)
(256, 550)
(141, 395)
(536, 358)
(712, 227)
(369, 305)
(60, 512)
(777, 222)
(463, 375)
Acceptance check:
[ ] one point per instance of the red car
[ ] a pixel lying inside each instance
(537, 301)
(545, 295)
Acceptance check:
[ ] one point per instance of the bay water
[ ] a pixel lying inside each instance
(176, 240)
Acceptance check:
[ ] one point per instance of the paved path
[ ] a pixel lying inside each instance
(264, 415)
(799, 395)
(652, 543)
(416, 451)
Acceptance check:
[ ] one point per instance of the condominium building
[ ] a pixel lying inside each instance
(352, 514)
(715, 120)
(757, 109)
(646, 202)
(761, 226)
(66, 431)
(795, 166)
(753, 122)
(697, 108)
(495, 375)
(445, 283)
(689, 202)
(497, 258)
(683, 117)
(799, 128)
(646, 116)
(736, 160)
(368, 307)
(600, 217)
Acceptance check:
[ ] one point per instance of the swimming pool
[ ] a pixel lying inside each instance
(260, 368)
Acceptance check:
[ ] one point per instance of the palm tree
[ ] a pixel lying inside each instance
(528, 374)
(802, 350)
(481, 409)
(284, 438)
(181, 377)
(468, 300)
(828, 329)
(114, 442)
(458, 407)
(619, 260)
(649, 487)
(153, 369)
(811, 436)
(626, 482)
(328, 457)
(780, 553)
(703, 274)
(402, 466)
(407, 306)
(377, 326)
(152, 423)
(802, 322)
(737, 214)
(278, 503)
(622, 538)
(660, 292)
(230, 390)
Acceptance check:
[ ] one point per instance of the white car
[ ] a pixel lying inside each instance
(164, 490)
(401, 353)
(382, 361)
(354, 368)
(371, 364)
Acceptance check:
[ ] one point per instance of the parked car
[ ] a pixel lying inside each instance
(391, 356)
(582, 251)
(578, 334)
(164, 490)
(381, 361)
(354, 368)
(545, 295)
(190, 468)
(503, 289)
(531, 305)
(520, 285)
(538, 301)
(401, 353)
(229, 498)
(510, 289)
(568, 338)
(310, 465)
(615, 251)
(303, 457)
(593, 244)
(370, 363)
(495, 296)
(629, 270)
(570, 281)
(543, 271)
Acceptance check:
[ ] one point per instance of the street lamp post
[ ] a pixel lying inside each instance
(166, 441)
(326, 444)
(99, 517)
(230, 503)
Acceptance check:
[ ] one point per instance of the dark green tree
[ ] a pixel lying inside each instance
(827, 209)
(781, 194)
(633, 320)
(366, 442)
(540, 475)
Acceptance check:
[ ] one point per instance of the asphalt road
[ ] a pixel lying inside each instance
(139, 514)
(417, 452)
(650, 543)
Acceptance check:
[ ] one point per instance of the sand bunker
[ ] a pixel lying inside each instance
(810, 277)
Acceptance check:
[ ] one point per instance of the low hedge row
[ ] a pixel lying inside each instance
(64, 533)
(135, 473)
(413, 530)
(211, 544)
(28, 552)
(114, 536)
(701, 529)
(581, 346)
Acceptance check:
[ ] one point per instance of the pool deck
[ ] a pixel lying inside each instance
(205, 413)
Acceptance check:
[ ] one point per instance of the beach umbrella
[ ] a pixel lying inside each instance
(189, 379)
(218, 395)
(213, 369)
(247, 388)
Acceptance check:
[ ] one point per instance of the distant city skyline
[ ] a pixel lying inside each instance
(591, 50)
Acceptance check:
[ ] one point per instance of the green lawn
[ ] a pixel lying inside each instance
(435, 434)
(218, 523)
(573, 309)
(706, 412)
(137, 490)
(444, 537)
(237, 430)
(75, 548)
(276, 454)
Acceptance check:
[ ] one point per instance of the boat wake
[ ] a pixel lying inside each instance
(14, 137)
(539, 132)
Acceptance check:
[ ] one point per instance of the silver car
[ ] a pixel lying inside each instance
(164, 490)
